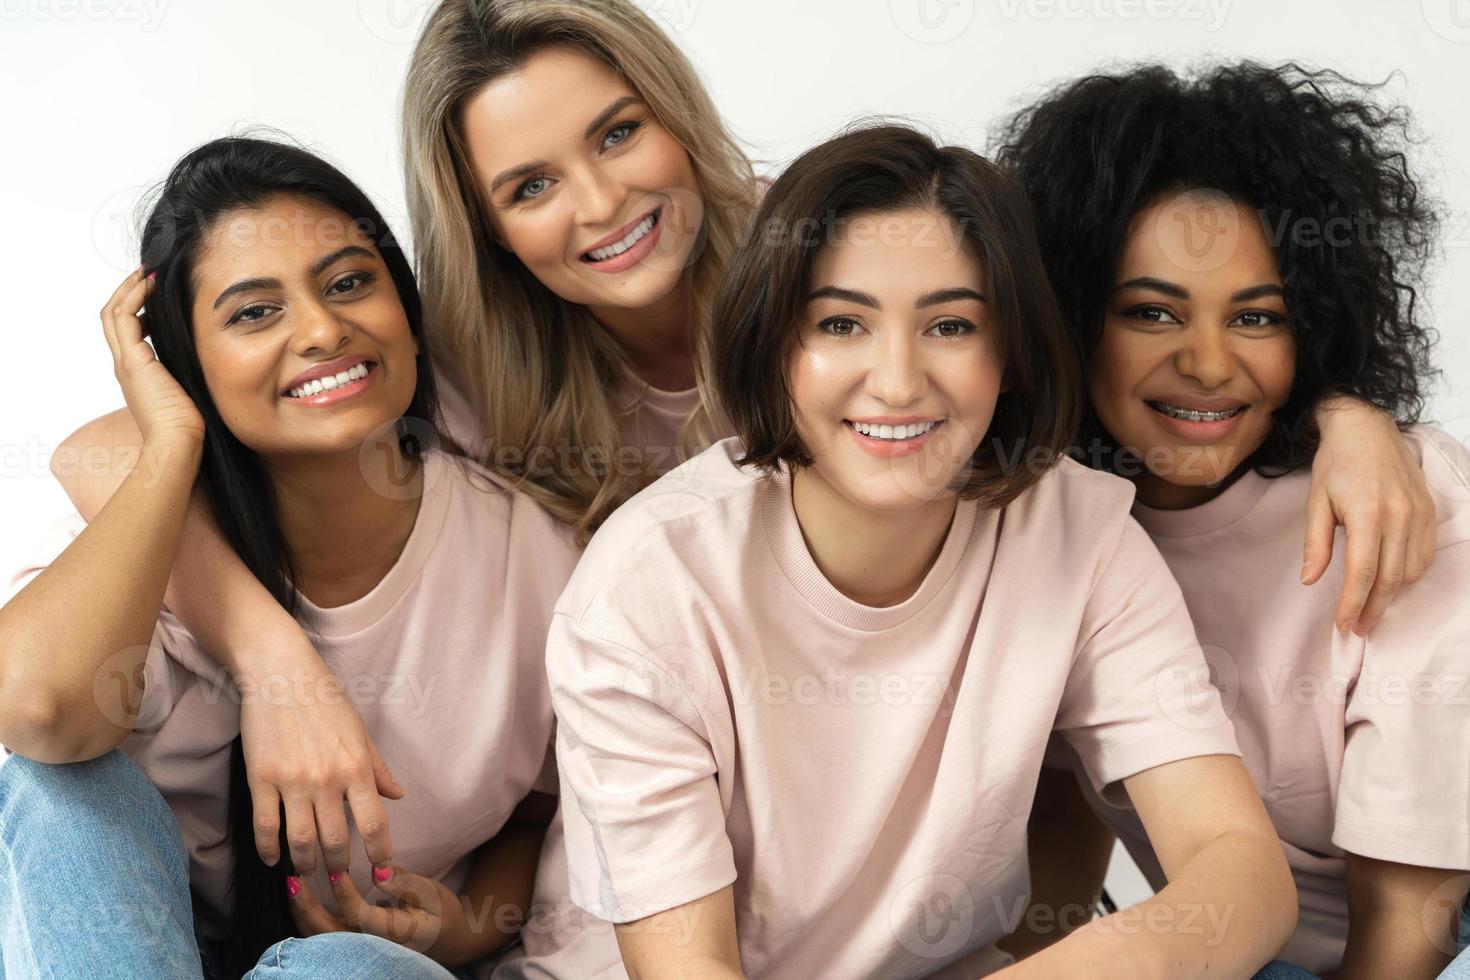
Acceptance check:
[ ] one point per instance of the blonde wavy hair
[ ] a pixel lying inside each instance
(543, 374)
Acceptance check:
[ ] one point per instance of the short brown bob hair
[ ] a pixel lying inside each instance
(874, 169)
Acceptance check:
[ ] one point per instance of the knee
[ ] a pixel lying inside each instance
(55, 796)
(345, 954)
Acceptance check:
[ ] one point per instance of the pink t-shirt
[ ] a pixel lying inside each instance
(1355, 744)
(443, 660)
(653, 427)
(862, 775)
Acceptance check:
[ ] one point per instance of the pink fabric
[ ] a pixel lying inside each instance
(1356, 745)
(443, 659)
(862, 775)
(652, 428)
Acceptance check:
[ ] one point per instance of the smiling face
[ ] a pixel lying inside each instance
(1197, 349)
(300, 334)
(596, 198)
(895, 375)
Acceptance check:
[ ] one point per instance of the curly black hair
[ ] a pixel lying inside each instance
(1322, 163)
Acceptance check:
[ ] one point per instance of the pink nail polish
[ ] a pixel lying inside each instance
(152, 275)
(382, 874)
(332, 876)
(293, 886)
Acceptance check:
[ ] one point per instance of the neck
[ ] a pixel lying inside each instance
(887, 562)
(343, 531)
(1160, 494)
(656, 337)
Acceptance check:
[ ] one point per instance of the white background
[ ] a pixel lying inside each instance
(99, 97)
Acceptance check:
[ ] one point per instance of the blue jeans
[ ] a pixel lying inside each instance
(94, 882)
(1282, 970)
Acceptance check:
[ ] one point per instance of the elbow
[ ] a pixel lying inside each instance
(37, 725)
(1282, 908)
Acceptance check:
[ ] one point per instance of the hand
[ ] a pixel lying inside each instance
(424, 915)
(158, 403)
(1366, 478)
(310, 754)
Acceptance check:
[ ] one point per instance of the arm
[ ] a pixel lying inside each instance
(93, 608)
(694, 941)
(1366, 478)
(96, 605)
(496, 896)
(1401, 919)
(1069, 848)
(303, 756)
(1230, 904)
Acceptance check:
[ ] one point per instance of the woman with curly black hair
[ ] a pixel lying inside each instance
(1234, 249)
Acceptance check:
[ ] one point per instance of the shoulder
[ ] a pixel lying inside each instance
(703, 505)
(489, 507)
(1445, 461)
(1073, 509)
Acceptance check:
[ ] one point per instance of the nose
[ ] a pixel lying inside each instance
(597, 196)
(318, 330)
(896, 374)
(1206, 356)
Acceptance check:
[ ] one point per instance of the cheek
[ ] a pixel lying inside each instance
(816, 379)
(1274, 368)
(1117, 367)
(538, 237)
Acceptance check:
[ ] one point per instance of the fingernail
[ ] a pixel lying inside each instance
(382, 874)
(152, 274)
(332, 876)
(293, 886)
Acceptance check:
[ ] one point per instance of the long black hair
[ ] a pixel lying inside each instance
(1317, 156)
(210, 182)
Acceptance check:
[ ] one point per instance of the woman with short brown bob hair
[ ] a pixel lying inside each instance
(884, 168)
(804, 684)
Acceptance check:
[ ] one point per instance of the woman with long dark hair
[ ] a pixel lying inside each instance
(293, 381)
(1237, 245)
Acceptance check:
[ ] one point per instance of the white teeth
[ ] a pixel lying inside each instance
(894, 433)
(618, 248)
(1190, 415)
(318, 385)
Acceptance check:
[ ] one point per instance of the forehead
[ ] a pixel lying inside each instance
(283, 231)
(1201, 237)
(909, 251)
(553, 96)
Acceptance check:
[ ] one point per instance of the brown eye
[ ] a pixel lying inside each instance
(839, 326)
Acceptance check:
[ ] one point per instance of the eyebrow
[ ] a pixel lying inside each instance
(617, 106)
(1179, 292)
(928, 299)
(317, 267)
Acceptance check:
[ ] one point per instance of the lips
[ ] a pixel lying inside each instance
(619, 237)
(329, 369)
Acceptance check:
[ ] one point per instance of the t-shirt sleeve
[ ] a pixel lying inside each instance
(1139, 693)
(1404, 794)
(162, 675)
(645, 826)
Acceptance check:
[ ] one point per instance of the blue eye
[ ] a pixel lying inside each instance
(534, 187)
(626, 130)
